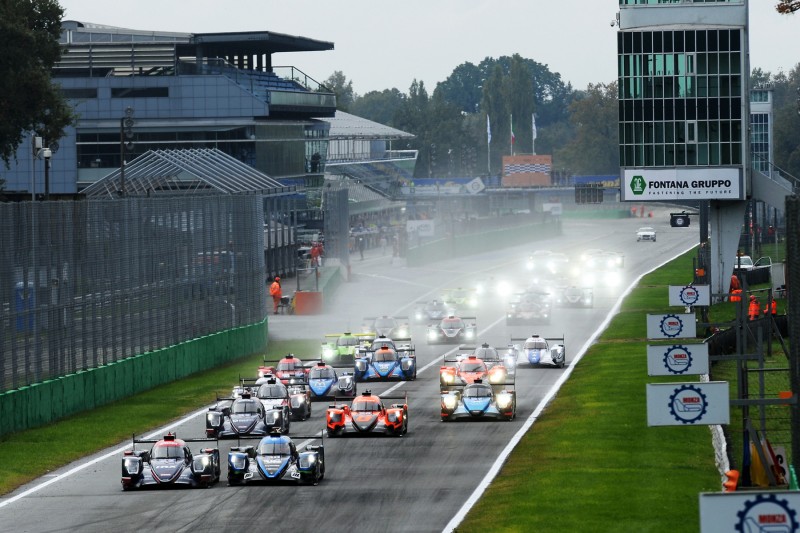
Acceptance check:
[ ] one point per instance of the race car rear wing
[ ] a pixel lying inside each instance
(171, 436)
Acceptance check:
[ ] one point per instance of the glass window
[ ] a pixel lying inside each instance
(167, 451)
(322, 373)
(272, 390)
(366, 405)
(478, 391)
(272, 446)
(245, 407)
(473, 367)
(384, 356)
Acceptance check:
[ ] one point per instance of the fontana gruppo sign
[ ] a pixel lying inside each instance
(657, 184)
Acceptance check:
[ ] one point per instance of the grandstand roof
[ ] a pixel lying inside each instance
(347, 126)
(193, 171)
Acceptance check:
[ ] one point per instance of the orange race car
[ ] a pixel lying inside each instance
(367, 415)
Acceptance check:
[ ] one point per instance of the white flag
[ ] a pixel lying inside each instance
(488, 130)
(533, 126)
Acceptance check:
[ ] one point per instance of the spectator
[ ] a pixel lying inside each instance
(315, 255)
(275, 292)
(735, 285)
(771, 308)
(315, 159)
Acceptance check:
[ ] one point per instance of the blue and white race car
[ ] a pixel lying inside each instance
(325, 382)
(478, 400)
(386, 363)
(537, 350)
(276, 458)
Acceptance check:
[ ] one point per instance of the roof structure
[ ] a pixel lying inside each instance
(193, 171)
(347, 126)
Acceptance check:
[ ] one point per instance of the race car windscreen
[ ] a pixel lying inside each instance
(366, 405)
(347, 341)
(167, 451)
(473, 367)
(289, 365)
(535, 345)
(241, 407)
(321, 373)
(384, 356)
(274, 447)
(487, 354)
(481, 391)
(272, 390)
(452, 323)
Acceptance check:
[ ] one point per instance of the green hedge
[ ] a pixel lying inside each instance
(42, 403)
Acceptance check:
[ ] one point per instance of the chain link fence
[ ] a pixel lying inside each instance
(84, 284)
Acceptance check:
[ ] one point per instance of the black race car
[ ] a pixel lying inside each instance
(242, 417)
(432, 311)
(531, 306)
(452, 330)
(168, 463)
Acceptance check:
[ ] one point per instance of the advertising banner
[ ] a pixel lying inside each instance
(659, 184)
(750, 512)
(690, 295)
(671, 326)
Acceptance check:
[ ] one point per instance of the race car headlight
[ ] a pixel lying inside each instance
(214, 418)
(201, 463)
(504, 400)
(469, 334)
(361, 365)
(402, 332)
(345, 383)
(328, 353)
(271, 417)
(448, 378)
(497, 377)
(237, 461)
(503, 288)
(132, 465)
(334, 417)
(406, 364)
(449, 401)
(472, 302)
(307, 461)
(480, 289)
(393, 416)
(432, 334)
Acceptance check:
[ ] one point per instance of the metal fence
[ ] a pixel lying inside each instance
(83, 284)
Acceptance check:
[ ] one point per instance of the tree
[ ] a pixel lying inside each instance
(380, 107)
(595, 148)
(30, 102)
(519, 95)
(342, 88)
(788, 6)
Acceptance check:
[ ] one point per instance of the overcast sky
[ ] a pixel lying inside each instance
(381, 44)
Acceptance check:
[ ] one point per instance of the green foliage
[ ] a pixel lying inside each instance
(29, 33)
(342, 88)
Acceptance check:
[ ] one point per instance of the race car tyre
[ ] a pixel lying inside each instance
(235, 480)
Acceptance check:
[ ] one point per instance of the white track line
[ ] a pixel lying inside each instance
(501, 459)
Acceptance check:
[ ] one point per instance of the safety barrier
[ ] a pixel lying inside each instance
(45, 402)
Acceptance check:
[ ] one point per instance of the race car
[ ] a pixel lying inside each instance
(532, 306)
(433, 310)
(574, 296)
(493, 286)
(460, 298)
(276, 458)
(169, 463)
(401, 346)
(386, 363)
(469, 368)
(341, 351)
(537, 350)
(243, 416)
(367, 415)
(286, 368)
(601, 268)
(388, 326)
(294, 400)
(478, 400)
(452, 330)
(325, 382)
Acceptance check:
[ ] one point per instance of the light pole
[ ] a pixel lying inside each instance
(125, 142)
(47, 153)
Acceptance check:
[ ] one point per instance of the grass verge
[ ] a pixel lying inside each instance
(29, 454)
(592, 463)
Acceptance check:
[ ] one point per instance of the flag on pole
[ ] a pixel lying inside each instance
(533, 126)
(488, 130)
(512, 131)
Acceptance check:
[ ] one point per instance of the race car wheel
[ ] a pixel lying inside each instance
(233, 481)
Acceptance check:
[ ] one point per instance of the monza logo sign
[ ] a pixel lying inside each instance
(690, 295)
(679, 404)
(671, 326)
(677, 359)
(746, 512)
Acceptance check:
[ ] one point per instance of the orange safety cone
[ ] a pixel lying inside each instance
(732, 481)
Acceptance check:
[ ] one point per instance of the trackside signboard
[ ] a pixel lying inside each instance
(680, 404)
(671, 326)
(677, 359)
(750, 512)
(643, 184)
(690, 295)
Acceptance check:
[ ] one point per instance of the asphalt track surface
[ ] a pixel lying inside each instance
(415, 483)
